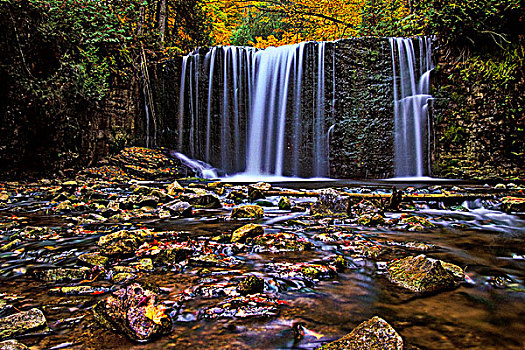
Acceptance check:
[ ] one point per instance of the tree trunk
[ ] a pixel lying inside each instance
(162, 20)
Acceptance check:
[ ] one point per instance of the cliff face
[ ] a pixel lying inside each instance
(479, 114)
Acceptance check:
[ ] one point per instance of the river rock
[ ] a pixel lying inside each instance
(285, 203)
(247, 211)
(22, 323)
(122, 242)
(251, 230)
(330, 202)
(251, 285)
(374, 334)
(93, 259)
(135, 312)
(64, 274)
(513, 204)
(148, 201)
(183, 209)
(9, 246)
(202, 201)
(421, 274)
(175, 188)
(255, 193)
(12, 345)
(172, 255)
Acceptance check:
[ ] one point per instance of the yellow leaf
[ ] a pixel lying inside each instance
(155, 313)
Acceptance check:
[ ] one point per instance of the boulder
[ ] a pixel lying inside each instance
(422, 274)
(255, 193)
(22, 323)
(242, 233)
(374, 334)
(135, 312)
(248, 211)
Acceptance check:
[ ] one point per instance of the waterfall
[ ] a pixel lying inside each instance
(411, 93)
(254, 119)
(268, 112)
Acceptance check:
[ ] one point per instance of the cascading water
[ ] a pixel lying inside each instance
(268, 112)
(254, 119)
(411, 94)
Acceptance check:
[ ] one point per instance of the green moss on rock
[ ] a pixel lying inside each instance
(374, 334)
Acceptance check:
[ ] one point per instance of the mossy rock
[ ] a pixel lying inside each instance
(93, 259)
(374, 334)
(135, 312)
(247, 231)
(285, 203)
(251, 285)
(172, 255)
(12, 345)
(122, 242)
(247, 211)
(22, 323)
(64, 274)
(371, 220)
(420, 274)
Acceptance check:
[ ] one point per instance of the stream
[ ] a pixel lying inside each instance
(485, 311)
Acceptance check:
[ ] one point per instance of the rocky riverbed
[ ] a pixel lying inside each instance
(135, 254)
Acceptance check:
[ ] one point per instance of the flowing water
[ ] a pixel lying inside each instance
(485, 312)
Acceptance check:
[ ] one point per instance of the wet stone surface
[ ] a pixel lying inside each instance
(111, 267)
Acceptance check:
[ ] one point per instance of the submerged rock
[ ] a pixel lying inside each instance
(280, 242)
(134, 311)
(255, 305)
(248, 211)
(246, 231)
(22, 323)
(422, 274)
(374, 334)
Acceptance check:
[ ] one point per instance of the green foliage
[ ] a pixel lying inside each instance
(390, 18)
(475, 24)
(257, 24)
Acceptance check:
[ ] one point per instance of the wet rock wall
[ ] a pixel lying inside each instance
(362, 141)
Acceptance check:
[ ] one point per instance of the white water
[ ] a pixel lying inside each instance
(201, 169)
(411, 95)
(256, 125)
(257, 120)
